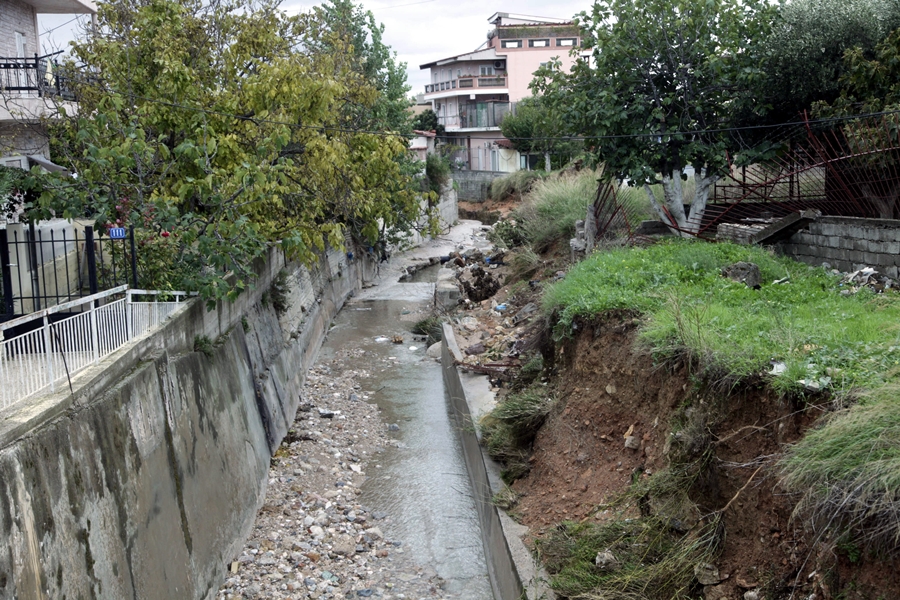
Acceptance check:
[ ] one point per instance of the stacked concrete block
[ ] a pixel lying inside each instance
(846, 243)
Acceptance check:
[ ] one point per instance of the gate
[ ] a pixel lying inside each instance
(53, 263)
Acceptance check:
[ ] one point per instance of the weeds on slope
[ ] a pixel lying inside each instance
(848, 472)
(797, 324)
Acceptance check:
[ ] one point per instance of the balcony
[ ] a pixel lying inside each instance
(470, 82)
(478, 115)
(39, 76)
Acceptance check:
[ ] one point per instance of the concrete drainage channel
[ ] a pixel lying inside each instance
(511, 568)
(448, 412)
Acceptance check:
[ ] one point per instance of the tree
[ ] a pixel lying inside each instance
(534, 129)
(427, 120)
(219, 126)
(804, 53)
(664, 78)
(362, 37)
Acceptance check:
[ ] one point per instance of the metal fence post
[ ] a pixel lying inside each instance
(129, 321)
(91, 259)
(134, 281)
(48, 351)
(8, 306)
(36, 267)
(95, 334)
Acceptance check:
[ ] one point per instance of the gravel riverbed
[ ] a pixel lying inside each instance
(312, 537)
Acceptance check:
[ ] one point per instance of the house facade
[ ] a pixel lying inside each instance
(27, 80)
(471, 93)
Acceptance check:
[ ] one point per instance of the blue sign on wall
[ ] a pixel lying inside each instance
(117, 233)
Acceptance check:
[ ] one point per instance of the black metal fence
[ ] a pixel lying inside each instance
(41, 266)
(39, 74)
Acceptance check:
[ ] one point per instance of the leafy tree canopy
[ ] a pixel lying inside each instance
(868, 84)
(427, 120)
(225, 128)
(362, 37)
(804, 53)
(664, 78)
(534, 128)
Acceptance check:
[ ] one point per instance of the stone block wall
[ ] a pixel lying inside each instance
(475, 186)
(847, 243)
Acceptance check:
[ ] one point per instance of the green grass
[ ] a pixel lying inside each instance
(553, 206)
(515, 184)
(652, 560)
(848, 471)
(509, 430)
(842, 343)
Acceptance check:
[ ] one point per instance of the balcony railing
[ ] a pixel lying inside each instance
(466, 82)
(478, 115)
(33, 75)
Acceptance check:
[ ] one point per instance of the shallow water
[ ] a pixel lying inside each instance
(423, 484)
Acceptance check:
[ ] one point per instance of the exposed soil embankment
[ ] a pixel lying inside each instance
(617, 419)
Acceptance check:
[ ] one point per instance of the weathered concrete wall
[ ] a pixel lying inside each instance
(475, 186)
(847, 242)
(145, 481)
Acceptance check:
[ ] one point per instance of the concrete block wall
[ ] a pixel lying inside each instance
(144, 481)
(475, 186)
(847, 243)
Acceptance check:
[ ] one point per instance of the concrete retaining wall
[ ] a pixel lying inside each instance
(475, 186)
(145, 481)
(847, 242)
(511, 568)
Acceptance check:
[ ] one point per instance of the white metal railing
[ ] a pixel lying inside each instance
(36, 361)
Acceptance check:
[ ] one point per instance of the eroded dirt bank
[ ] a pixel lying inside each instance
(611, 390)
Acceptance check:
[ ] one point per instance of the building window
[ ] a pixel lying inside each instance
(566, 41)
(486, 70)
(511, 44)
(538, 43)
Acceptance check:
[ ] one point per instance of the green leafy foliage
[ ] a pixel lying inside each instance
(437, 172)
(534, 128)
(515, 185)
(804, 54)
(228, 128)
(427, 120)
(663, 79)
(838, 342)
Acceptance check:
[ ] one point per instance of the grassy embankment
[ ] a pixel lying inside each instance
(818, 338)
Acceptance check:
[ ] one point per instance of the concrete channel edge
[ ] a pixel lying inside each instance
(512, 570)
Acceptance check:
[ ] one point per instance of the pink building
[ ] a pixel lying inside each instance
(472, 92)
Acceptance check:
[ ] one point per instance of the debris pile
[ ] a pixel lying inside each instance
(866, 277)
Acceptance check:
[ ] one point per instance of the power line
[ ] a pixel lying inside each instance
(52, 29)
(385, 133)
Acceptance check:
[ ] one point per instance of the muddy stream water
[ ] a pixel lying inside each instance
(422, 483)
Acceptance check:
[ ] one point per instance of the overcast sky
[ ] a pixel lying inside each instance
(419, 31)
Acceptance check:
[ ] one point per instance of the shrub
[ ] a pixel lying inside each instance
(437, 172)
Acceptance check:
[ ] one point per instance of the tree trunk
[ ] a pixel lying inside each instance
(701, 196)
(547, 162)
